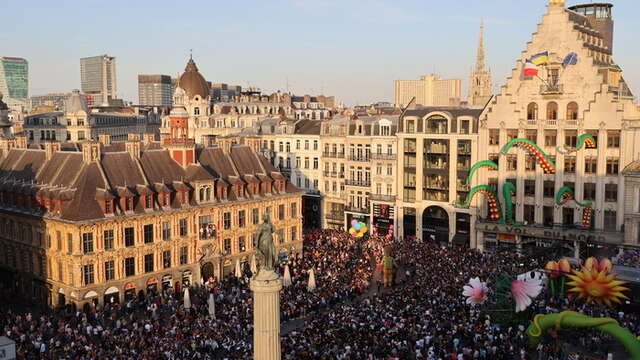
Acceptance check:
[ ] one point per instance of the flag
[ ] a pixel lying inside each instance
(570, 59)
(541, 58)
(530, 69)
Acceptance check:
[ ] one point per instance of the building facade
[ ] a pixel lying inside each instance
(78, 122)
(107, 221)
(98, 78)
(436, 147)
(14, 81)
(154, 90)
(580, 117)
(429, 90)
(480, 79)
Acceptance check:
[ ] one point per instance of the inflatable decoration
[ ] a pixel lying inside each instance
(358, 228)
(595, 283)
(556, 273)
(476, 291)
(584, 139)
(565, 194)
(542, 323)
(542, 158)
(492, 198)
(478, 165)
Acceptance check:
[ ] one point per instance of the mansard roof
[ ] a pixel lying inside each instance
(84, 186)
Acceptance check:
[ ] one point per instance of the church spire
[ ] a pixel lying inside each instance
(480, 65)
(480, 79)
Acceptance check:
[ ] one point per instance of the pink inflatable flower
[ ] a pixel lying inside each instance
(523, 291)
(476, 291)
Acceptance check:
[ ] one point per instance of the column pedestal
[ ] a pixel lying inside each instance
(266, 288)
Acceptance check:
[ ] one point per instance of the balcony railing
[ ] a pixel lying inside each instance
(377, 156)
(350, 208)
(362, 158)
(380, 197)
(335, 155)
(363, 183)
(334, 216)
(334, 174)
(547, 89)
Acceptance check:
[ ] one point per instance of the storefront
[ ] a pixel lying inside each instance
(495, 235)
(112, 295)
(167, 281)
(152, 285)
(311, 211)
(383, 219)
(129, 291)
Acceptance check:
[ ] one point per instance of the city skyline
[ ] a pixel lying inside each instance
(322, 47)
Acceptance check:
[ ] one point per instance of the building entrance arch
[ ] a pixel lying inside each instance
(435, 224)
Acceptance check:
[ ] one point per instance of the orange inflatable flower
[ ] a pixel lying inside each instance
(594, 283)
(603, 265)
(559, 268)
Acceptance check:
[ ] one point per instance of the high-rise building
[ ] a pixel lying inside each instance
(154, 90)
(14, 80)
(480, 79)
(98, 78)
(429, 90)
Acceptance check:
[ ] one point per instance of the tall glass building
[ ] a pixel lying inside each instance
(14, 80)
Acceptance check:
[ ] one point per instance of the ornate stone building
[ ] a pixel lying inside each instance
(579, 91)
(116, 218)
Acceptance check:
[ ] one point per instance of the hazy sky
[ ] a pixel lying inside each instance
(353, 49)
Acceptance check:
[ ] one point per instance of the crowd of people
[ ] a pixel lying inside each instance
(348, 316)
(629, 258)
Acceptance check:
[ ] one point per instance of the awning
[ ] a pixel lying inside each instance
(460, 239)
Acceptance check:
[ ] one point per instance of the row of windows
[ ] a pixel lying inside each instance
(436, 125)
(590, 164)
(286, 146)
(550, 137)
(129, 266)
(571, 112)
(568, 217)
(549, 190)
(242, 246)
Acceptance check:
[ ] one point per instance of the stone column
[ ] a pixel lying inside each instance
(266, 288)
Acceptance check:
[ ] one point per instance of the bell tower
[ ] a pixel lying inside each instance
(480, 79)
(181, 147)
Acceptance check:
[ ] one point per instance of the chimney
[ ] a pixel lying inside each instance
(105, 139)
(50, 148)
(148, 138)
(133, 147)
(21, 141)
(90, 151)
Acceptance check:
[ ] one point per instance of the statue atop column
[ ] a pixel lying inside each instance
(266, 250)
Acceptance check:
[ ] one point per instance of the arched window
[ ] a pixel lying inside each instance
(436, 125)
(532, 111)
(196, 111)
(208, 193)
(201, 194)
(572, 111)
(552, 111)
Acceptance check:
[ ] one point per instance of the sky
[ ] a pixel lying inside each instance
(352, 49)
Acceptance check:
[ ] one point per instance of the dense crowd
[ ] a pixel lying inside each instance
(348, 316)
(629, 258)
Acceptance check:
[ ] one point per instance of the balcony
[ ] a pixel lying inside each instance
(550, 89)
(362, 183)
(376, 156)
(334, 174)
(380, 197)
(334, 155)
(313, 192)
(334, 216)
(350, 208)
(362, 158)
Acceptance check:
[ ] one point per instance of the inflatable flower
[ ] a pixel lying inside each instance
(594, 283)
(476, 291)
(604, 265)
(559, 268)
(523, 291)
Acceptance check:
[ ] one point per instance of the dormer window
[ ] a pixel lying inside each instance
(196, 111)
(128, 204)
(107, 207)
(148, 203)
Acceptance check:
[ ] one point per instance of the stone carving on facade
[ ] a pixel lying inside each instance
(208, 251)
